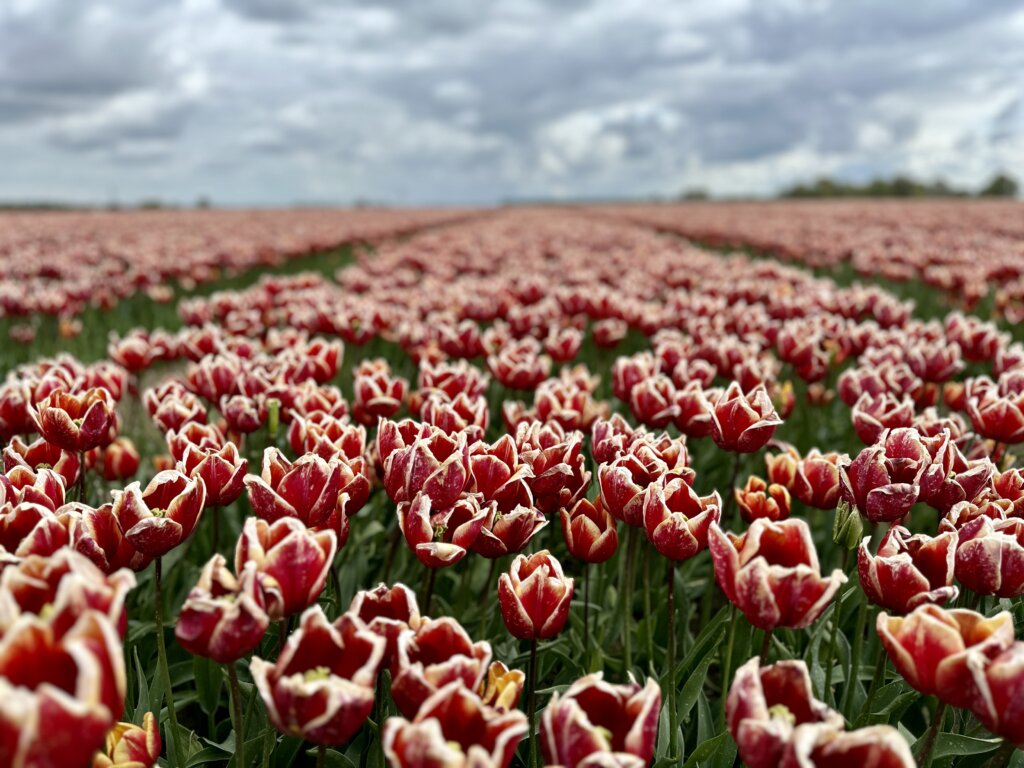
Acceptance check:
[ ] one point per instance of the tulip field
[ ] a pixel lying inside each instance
(609, 486)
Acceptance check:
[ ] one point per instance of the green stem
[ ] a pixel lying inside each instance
(669, 681)
(161, 650)
(836, 617)
(925, 752)
(858, 645)
(236, 716)
(81, 477)
(215, 514)
(428, 592)
(727, 658)
(1002, 757)
(321, 756)
(586, 608)
(766, 645)
(627, 602)
(531, 699)
(876, 682)
(646, 550)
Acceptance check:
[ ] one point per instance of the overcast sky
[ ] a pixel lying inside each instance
(453, 101)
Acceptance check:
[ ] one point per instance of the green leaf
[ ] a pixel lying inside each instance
(209, 681)
(955, 745)
(208, 755)
(694, 685)
(719, 751)
(143, 704)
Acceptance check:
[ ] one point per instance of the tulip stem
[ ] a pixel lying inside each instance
(282, 635)
(876, 683)
(531, 699)
(321, 756)
(428, 591)
(161, 651)
(647, 602)
(728, 514)
(81, 477)
(236, 715)
(727, 658)
(858, 645)
(833, 638)
(924, 755)
(627, 602)
(586, 607)
(669, 682)
(766, 646)
(1002, 757)
(215, 514)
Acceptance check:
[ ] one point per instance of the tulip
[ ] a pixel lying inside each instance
(880, 746)
(454, 729)
(930, 647)
(75, 422)
(990, 557)
(327, 436)
(435, 653)
(497, 474)
(908, 570)
(560, 477)
(387, 611)
(884, 481)
(222, 472)
(508, 533)
(996, 416)
(22, 485)
(758, 499)
(593, 717)
(306, 490)
(534, 596)
(39, 455)
(379, 394)
(589, 531)
(443, 537)
(816, 480)
(131, 746)
(97, 534)
(160, 517)
(767, 705)
(321, 687)
(996, 691)
(223, 618)
(652, 401)
(502, 687)
(676, 519)
(874, 415)
(437, 466)
(771, 573)
(119, 460)
(742, 423)
(610, 438)
(292, 562)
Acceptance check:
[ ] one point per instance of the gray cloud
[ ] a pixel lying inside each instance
(272, 101)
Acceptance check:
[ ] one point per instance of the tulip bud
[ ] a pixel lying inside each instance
(534, 596)
(847, 526)
(131, 746)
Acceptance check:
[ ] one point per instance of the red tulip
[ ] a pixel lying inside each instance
(498, 474)
(625, 479)
(880, 746)
(816, 480)
(442, 537)
(222, 472)
(306, 490)
(767, 705)
(652, 401)
(908, 570)
(589, 531)
(432, 655)
(329, 437)
(223, 618)
(120, 460)
(379, 394)
(874, 415)
(593, 718)
(22, 485)
(76, 422)
(534, 596)
(782, 467)
(996, 691)
(771, 573)
(995, 414)
(742, 423)
(930, 647)
(950, 478)
(292, 562)
(97, 534)
(990, 557)
(610, 438)
(560, 476)
(454, 729)
(437, 466)
(160, 517)
(758, 499)
(321, 687)
(39, 455)
(676, 519)
(509, 532)
(387, 611)
(131, 746)
(884, 481)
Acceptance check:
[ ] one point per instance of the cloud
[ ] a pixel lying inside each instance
(415, 101)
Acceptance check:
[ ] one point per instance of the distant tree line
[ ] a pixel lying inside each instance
(1001, 185)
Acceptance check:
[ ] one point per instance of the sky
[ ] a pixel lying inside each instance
(410, 102)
